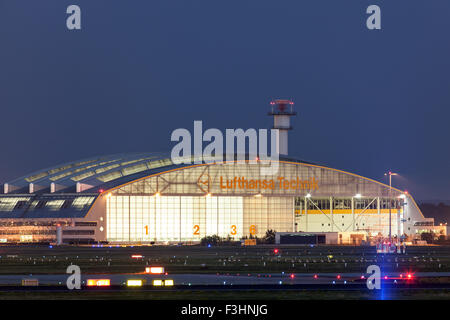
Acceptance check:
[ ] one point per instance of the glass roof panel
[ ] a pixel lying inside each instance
(110, 176)
(134, 169)
(83, 176)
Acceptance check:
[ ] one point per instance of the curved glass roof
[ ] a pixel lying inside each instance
(101, 172)
(93, 171)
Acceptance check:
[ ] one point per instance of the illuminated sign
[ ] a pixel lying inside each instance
(281, 183)
(98, 282)
(158, 283)
(134, 283)
(154, 270)
(168, 282)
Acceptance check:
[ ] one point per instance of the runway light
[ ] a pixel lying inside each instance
(168, 283)
(154, 270)
(98, 282)
(157, 283)
(134, 283)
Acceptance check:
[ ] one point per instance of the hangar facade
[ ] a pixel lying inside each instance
(146, 198)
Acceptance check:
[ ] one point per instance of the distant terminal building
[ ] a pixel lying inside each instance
(146, 198)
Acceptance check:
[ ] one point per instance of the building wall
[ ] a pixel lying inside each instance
(237, 200)
(186, 218)
(44, 230)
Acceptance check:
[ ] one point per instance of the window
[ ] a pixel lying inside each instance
(104, 169)
(81, 203)
(79, 232)
(342, 204)
(85, 224)
(54, 205)
(110, 176)
(134, 169)
(83, 176)
(9, 203)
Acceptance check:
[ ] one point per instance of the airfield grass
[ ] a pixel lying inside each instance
(420, 294)
(226, 259)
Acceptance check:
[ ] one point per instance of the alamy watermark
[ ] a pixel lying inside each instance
(239, 145)
(74, 280)
(73, 21)
(374, 279)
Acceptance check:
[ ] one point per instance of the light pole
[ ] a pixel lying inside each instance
(390, 174)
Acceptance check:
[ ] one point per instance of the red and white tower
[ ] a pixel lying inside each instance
(282, 111)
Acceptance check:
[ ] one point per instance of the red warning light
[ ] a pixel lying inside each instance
(409, 276)
(292, 276)
(338, 276)
(362, 277)
(316, 276)
(275, 251)
(385, 277)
